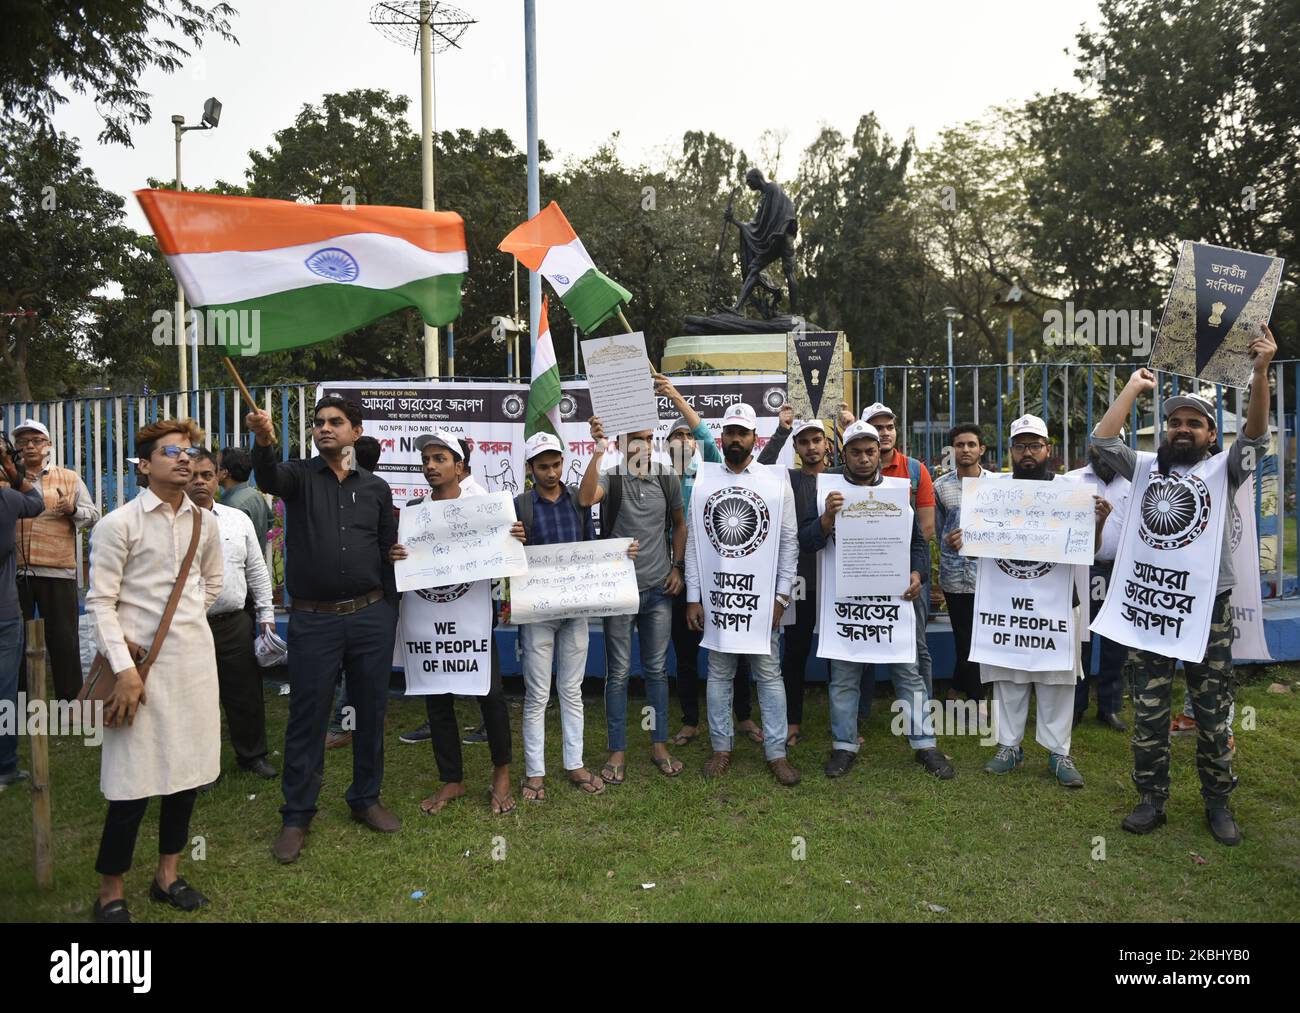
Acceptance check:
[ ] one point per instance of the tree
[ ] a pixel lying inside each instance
(60, 236)
(101, 49)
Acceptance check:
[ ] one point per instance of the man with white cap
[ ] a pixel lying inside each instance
(862, 467)
(812, 452)
(728, 515)
(1104, 662)
(1179, 475)
(1031, 454)
(550, 515)
(47, 553)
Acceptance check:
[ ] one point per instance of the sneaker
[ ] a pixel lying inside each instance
(1065, 770)
(1182, 725)
(1005, 760)
(840, 762)
(12, 777)
(421, 734)
(1222, 825)
(476, 736)
(1149, 814)
(936, 763)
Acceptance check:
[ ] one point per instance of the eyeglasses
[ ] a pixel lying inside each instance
(174, 451)
(1033, 448)
(34, 441)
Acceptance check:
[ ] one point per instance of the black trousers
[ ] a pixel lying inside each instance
(445, 733)
(686, 647)
(319, 643)
(794, 658)
(55, 598)
(122, 826)
(239, 678)
(965, 673)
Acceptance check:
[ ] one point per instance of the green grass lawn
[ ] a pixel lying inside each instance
(884, 843)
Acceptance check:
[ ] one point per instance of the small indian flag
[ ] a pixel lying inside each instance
(311, 271)
(543, 413)
(547, 244)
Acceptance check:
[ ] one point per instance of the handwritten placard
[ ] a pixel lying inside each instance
(455, 541)
(571, 579)
(1016, 518)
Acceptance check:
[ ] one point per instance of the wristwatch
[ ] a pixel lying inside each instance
(680, 564)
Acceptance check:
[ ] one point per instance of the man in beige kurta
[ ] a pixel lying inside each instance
(170, 741)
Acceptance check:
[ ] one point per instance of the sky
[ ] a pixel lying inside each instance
(647, 69)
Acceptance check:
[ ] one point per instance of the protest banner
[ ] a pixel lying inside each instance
(873, 538)
(1247, 605)
(462, 539)
(1024, 616)
(589, 579)
(1051, 522)
(444, 639)
(620, 382)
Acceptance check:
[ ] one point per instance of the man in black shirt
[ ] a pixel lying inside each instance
(339, 527)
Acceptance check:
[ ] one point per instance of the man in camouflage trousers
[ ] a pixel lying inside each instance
(1190, 437)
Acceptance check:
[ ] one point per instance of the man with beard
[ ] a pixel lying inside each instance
(1031, 454)
(862, 467)
(812, 452)
(1105, 657)
(1190, 438)
(738, 438)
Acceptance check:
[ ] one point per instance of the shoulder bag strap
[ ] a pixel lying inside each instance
(175, 598)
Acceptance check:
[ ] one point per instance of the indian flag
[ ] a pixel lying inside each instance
(547, 244)
(311, 271)
(543, 413)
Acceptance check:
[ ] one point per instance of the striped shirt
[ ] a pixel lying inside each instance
(956, 572)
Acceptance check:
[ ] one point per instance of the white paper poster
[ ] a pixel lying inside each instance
(591, 579)
(1024, 617)
(1167, 568)
(873, 537)
(1053, 522)
(1246, 603)
(735, 531)
(873, 630)
(445, 639)
(622, 388)
(467, 538)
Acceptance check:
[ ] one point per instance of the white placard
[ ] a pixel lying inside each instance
(622, 389)
(444, 640)
(457, 541)
(1247, 606)
(1018, 518)
(592, 579)
(873, 537)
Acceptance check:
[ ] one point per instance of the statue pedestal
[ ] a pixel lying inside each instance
(767, 352)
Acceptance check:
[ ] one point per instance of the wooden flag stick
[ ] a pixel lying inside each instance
(243, 389)
(623, 320)
(42, 834)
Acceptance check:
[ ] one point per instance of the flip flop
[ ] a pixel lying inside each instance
(612, 773)
(531, 794)
(587, 784)
(502, 802)
(793, 739)
(754, 736)
(665, 765)
(683, 740)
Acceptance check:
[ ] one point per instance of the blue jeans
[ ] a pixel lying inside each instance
(654, 626)
(11, 658)
(909, 689)
(769, 684)
(921, 606)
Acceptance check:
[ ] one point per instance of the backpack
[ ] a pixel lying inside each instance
(613, 499)
(524, 510)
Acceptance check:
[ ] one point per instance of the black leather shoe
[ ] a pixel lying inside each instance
(112, 913)
(936, 763)
(261, 768)
(1222, 825)
(1112, 721)
(1149, 814)
(179, 895)
(840, 762)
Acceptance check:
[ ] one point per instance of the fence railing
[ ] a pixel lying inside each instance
(95, 435)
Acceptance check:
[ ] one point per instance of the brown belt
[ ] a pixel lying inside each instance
(338, 608)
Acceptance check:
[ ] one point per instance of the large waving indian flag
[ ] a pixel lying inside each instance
(313, 271)
(547, 244)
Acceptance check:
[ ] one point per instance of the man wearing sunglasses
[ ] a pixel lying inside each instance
(339, 528)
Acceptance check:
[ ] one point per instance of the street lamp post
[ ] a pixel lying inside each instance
(211, 117)
(951, 313)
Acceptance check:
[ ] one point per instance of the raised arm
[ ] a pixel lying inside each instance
(772, 449)
(280, 478)
(589, 491)
(1142, 381)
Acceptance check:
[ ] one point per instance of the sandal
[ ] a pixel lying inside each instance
(683, 740)
(612, 773)
(531, 793)
(587, 785)
(793, 739)
(667, 766)
(502, 804)
(754, 736)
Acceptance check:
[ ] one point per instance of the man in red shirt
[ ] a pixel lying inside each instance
(895, 464)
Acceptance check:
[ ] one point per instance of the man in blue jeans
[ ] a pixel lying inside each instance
(862, 467)
(18, 500)
(639, 499)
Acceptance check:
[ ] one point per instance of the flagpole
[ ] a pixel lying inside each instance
(243, 389)
(426, 159)
(623, 320)
(534, 186)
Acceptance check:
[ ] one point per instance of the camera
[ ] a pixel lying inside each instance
(8, 450)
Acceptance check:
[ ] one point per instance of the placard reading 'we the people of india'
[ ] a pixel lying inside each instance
(1217, 302)
(455, 541)
(622, 388)
(1017, 518)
